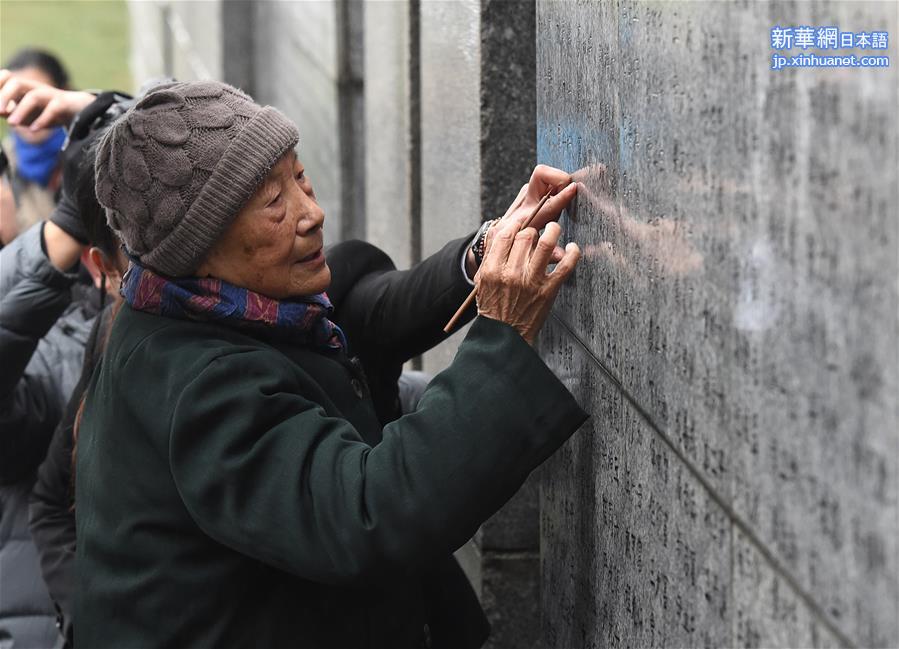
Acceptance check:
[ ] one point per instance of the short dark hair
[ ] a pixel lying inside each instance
(42, 60)
(80, 170)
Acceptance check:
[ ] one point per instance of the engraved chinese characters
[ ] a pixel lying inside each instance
(732, 328)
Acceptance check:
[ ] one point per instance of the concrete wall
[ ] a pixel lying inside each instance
(732, 328)
(390, 184)
(450, 104)
(177, 39)
(285, 54)
(296, 70)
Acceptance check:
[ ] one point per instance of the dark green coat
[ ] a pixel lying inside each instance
(233, 492)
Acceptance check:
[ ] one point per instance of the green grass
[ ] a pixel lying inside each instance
(91, 38)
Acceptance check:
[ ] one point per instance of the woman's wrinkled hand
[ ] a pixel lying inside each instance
(513, 284)
(543, 179)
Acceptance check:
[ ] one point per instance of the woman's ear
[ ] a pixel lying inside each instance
(104, 266)
(92, 259)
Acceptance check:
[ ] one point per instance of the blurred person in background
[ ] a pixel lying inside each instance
(46, 315)
(52, 515)
(30, 190)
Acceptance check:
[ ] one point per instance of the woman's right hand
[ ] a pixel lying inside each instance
(513, 284)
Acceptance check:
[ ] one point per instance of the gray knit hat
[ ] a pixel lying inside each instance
(176, 169)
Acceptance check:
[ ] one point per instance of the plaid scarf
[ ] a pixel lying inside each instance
(302, 321)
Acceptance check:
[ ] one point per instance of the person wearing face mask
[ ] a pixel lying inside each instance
(46, 316)
(35, 171)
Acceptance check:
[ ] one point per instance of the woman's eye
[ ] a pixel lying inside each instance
(301, 176)
(274, 201)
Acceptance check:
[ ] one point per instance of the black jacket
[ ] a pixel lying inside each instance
(42, 337)
(235, 491)
(51, 511)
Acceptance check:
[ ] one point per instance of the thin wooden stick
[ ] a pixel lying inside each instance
(474, 291)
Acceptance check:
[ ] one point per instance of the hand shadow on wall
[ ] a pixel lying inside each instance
(657, 241)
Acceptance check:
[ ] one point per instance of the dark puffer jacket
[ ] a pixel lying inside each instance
(42, 337)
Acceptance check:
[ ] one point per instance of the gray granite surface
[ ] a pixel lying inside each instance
(732, 328)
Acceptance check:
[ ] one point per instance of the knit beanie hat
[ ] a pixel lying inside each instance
(179, 165)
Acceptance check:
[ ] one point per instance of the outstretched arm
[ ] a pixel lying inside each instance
(395, 315)
(280, 480)
(400, 314)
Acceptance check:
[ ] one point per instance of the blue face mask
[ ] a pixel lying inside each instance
(36, 162)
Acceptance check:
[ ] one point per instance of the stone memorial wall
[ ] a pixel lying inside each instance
(732, 328)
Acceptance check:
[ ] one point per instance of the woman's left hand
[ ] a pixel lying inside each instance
(543, 179)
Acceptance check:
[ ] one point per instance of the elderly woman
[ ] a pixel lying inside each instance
(244, 477)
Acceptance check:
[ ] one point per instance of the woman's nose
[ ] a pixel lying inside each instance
(312, 218)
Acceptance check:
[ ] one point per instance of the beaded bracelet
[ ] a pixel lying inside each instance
(480, 241)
